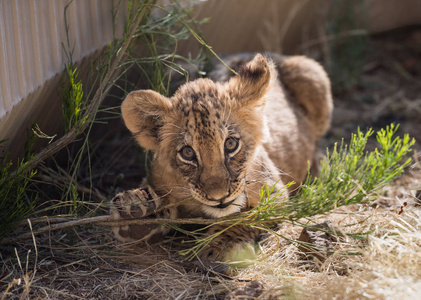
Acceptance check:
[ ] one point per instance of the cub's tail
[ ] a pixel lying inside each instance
(308, 84)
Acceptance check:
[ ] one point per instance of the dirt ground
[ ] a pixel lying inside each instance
(87, 263)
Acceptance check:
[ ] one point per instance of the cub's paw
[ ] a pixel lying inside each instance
(236, 247)
(136, 204)
(228, 255)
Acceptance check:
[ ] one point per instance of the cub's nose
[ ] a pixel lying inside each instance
(216, 188)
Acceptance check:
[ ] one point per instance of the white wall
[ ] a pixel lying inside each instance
(31, 36)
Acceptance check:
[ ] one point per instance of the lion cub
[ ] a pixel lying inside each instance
(217, 142)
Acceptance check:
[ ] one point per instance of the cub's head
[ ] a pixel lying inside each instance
(206, 134)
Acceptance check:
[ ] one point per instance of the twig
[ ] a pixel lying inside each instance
(46, 219)
(104, 221)
(332, 37)
(296, 7)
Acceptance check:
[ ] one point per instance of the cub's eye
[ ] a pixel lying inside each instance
(231, 144)
(187, 153)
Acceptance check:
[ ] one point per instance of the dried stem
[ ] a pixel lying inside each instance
(332, 37)
(104, 221)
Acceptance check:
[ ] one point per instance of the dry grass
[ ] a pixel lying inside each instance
(92, 269)
(89, 264)
(386, 266)
(389, 266)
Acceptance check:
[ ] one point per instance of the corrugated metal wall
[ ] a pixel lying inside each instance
(32, 34)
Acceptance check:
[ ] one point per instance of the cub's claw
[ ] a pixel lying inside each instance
(136, 204)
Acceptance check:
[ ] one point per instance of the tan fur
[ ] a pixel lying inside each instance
(275, 109)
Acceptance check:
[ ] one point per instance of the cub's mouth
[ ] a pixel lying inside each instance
(224, 205)
(224, 209)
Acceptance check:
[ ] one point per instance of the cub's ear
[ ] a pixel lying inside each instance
(143, 112)
(251, 83)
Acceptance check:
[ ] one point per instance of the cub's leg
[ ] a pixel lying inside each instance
(135, 204)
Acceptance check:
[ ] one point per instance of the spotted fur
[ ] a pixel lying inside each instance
(217, 141)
